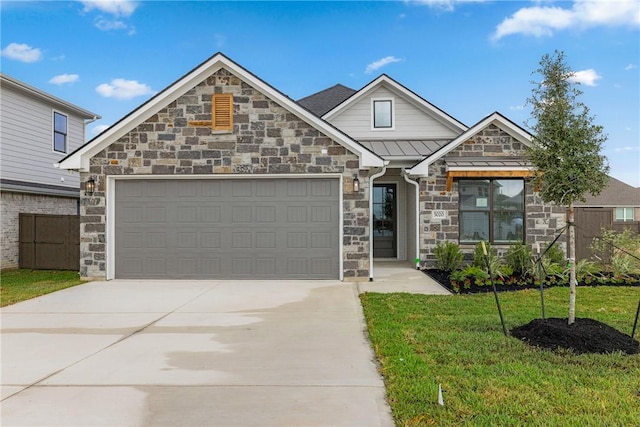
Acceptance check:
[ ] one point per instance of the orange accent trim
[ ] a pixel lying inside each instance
(487, 174)
(200, 123)
(222, 111)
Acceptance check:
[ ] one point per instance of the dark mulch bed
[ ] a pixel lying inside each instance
(505, 285)
(584, 336)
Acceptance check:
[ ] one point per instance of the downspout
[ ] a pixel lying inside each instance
(371, 178)
(405, 175)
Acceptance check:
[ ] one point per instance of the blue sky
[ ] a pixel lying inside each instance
(469, 58)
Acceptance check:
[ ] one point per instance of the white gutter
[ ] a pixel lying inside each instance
(405, 175)
(371, 178)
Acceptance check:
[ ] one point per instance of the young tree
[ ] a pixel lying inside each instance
(566, 147)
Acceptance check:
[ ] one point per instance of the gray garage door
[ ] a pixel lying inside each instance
(227, 228)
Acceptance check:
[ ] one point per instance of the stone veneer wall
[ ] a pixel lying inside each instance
(542, 221)
(266, 139)
(13, 204)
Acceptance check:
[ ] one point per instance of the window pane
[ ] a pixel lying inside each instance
(474, 194)
(507, 227)
(474, 226)
(508, 194)
(382, 114)
(60, 123)
(624, 214)
(59, 142)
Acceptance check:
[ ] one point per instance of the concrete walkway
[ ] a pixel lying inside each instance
(400, 276)
(191, 353)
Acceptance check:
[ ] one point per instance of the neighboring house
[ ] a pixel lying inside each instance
(36, 131)
(617, 207)
(220, 175)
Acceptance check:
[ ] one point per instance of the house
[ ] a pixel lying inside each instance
(617, 208)
(37, 130)
(221, 175)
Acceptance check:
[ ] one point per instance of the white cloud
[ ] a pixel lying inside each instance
(627, 149)
(104, 24)
(124, 89)
(586, 77)
(381, 63)
(630, 67)
(516, 107)
(64, 78)
(114, 7)
(108, 25)
(539, 21)
(445, 5)
(22, 52)
(97, 130)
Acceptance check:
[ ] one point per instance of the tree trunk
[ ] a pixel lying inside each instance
(572, 266)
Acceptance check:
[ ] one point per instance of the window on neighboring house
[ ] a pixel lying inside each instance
(59, 132)
(222, 111)
(624, 214)
(382, 114)
(491, 210)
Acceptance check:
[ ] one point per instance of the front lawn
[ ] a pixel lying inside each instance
(489, 379)
(20, 285)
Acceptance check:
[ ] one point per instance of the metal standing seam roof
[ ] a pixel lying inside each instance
(486, 162)
(389, 149)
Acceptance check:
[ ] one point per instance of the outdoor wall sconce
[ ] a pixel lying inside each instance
(90, 187)
(356, 184)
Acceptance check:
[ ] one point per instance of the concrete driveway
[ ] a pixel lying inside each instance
(191, 353)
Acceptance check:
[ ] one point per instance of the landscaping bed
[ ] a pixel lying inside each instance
(470, 285)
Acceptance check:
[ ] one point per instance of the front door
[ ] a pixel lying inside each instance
(384, 221)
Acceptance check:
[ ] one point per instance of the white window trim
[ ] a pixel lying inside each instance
(53, 132)
(393, 114)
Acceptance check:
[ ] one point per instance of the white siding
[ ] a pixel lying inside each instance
(410, 122)
(26, 140)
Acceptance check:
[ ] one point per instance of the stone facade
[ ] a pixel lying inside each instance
(13, 204)
(542, 221)
(266, 139)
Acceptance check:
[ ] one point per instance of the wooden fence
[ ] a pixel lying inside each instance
(49, 242)
(589, 225)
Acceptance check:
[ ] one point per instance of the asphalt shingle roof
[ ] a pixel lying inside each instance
(324, 101)
(616, 193)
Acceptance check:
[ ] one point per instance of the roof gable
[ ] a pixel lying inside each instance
(401, 91)
(422, 168)
(79, 159)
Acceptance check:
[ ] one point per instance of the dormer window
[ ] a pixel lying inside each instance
(382, 113)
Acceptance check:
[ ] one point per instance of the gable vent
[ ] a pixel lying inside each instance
(222, 111)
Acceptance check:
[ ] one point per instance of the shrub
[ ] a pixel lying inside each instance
(519, 258)
(585, 269)
(475, 273)
(479, 259)
(615, 250)
(448, 256)
(553, 255)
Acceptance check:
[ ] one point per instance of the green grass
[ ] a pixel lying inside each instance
(492, 380)
(21, 285)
